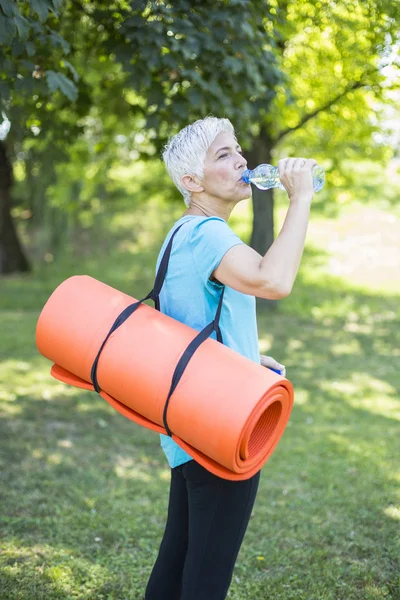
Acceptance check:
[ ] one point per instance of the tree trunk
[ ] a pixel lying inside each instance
(263, 208)
(12, 257)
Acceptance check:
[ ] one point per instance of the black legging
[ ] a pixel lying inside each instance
(207, 520)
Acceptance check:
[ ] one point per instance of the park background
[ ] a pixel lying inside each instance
(90, 93)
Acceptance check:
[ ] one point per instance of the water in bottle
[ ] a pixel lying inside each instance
(267, 176)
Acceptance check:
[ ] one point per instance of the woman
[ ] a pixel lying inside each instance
(208, 515)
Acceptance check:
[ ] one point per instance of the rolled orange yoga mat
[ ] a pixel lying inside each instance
(227, 412)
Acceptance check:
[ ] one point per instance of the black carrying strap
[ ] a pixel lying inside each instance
(188, 354)
(190, 350)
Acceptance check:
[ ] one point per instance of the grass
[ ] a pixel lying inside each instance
(84, 491)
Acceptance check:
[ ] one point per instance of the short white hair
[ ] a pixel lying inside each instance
(186, 151)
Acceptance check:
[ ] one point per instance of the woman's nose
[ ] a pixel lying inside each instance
(242, 162)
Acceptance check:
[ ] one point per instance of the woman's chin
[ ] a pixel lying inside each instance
(246, 192)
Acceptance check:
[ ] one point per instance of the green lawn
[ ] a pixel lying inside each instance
(84, 491)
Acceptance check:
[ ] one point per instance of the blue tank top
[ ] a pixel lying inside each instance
(190, 297)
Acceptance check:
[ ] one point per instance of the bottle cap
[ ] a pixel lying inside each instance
(245, 176)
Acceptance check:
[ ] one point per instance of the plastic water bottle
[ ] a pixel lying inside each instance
(267, 176)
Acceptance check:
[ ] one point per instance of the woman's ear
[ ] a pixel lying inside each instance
(192, 183)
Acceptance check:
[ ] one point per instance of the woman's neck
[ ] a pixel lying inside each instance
(208, 211)
(196, 211)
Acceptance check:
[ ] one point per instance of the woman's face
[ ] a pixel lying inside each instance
(223, 167)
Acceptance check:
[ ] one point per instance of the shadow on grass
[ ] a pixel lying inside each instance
(91, 486)
(80, 483)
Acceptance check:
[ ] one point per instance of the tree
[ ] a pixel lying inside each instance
(171, 64)
(186, 59)
(11, 256)
(191, 59)
(29, 42)
(330, 57)
(56, 115)
(333, 55)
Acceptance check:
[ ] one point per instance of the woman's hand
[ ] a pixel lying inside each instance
(269, 362)
(296, 177)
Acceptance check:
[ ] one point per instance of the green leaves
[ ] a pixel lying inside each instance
(7, 30)
(59, 41)
(32, 51)
(57, 4)
(41, 8)
(22, 25)
(71, 68)
(233, 65)
(8, 7)
(58, 81)
(214, 58)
